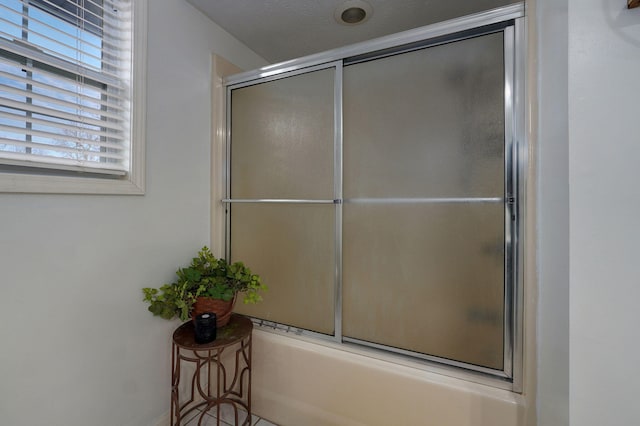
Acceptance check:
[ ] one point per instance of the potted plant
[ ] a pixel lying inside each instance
(208, 284)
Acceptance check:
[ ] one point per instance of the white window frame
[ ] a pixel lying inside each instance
(133, 183)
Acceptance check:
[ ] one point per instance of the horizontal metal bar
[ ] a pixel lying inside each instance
(278, 201)
(290, 329)
(320, 67)
(472, 367)
(430, 42)
(368, 200)
(422, 200)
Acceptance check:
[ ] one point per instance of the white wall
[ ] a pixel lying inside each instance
(604, 151)
(77, 345)
(552, 170)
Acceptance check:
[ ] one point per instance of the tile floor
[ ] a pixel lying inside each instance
(226, 418)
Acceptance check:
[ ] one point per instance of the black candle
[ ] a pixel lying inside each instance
(205, 327)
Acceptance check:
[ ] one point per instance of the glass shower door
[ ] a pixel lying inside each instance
(424, 188)
(282, 221)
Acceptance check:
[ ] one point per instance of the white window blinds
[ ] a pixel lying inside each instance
(65, 84)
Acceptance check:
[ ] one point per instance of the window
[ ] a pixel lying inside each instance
(71, 98)
(378, 195)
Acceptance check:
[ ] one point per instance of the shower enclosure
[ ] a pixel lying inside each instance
(378, 191)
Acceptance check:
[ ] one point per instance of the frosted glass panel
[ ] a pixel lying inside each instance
(421, 275)
(428, 123)
(426, 278)
(291, 247)
(282, 138)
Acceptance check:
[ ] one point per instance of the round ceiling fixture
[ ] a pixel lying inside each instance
(353, 12)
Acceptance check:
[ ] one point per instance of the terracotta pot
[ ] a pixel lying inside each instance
(219, 307)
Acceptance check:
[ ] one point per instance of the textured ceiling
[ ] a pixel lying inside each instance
(279, 30)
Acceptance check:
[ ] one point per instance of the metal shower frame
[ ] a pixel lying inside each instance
(510, 20)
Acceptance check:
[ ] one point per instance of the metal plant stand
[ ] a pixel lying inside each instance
(221, 376)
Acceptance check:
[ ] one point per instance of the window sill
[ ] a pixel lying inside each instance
(44, 184)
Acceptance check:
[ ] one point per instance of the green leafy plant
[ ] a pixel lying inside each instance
(206, 276)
